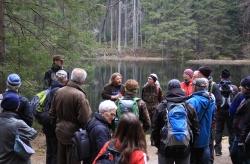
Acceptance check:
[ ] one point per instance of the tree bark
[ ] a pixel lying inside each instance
(126, 25)
(134, 25)
(111, 24)
(119, 26)
(2, 40)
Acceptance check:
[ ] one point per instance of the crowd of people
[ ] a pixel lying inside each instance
(186, 123)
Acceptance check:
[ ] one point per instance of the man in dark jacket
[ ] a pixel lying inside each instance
(50, 75)
(174, 95)
(99, 127)
(24, 111)
(240, 152)
(70, 110)
(114, 89)
(48, 128)
(228, 91)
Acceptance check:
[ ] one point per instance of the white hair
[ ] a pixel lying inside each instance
(78, 75)
(107, 106)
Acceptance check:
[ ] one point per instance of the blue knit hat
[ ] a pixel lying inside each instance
(13, 80)
(10, 101)
(245, 82)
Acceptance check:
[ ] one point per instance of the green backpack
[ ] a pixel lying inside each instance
(124, 105)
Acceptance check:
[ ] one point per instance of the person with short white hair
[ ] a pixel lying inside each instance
(107, 106)
(100, 126)
(70, 111)
(78, 75)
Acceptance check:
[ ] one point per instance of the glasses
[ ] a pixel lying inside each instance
(112, 114)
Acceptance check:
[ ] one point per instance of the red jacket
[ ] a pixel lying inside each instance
(137, 156)
(188, 89)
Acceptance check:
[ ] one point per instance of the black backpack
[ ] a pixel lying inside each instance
(110, 156)
(81, 147)
(226, 90)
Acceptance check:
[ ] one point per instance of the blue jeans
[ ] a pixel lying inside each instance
(238, 154)
(200, 155)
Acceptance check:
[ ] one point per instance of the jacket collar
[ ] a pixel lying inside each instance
(75, 85)
(8, 114)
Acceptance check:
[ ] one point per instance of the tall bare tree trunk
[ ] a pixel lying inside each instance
(119, 26)
(111, 24)
(2, 48)
(134, 25)
(126, 25)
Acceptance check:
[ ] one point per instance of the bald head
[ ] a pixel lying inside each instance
(195, 74)
(78, 75)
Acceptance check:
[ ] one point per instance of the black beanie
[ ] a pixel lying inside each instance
(205, 71)
(225, 74)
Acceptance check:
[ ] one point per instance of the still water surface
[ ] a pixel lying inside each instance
(99, 73)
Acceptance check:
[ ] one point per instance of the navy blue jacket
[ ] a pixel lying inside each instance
(99, 133)
(48, 128)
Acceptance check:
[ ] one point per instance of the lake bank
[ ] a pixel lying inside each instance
(199, 61)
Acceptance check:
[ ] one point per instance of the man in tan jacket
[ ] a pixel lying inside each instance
(70, 110)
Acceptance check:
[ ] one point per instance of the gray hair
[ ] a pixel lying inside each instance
(200, 84)
(107, 106)
(78, 75)
(13, 88)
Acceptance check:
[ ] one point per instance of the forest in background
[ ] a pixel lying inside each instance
(180, 28)
(31, 31)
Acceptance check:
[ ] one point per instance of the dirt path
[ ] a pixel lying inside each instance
(39, 156)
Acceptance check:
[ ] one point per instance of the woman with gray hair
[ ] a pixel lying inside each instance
(99, 127)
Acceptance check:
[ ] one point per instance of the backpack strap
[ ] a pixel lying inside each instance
(204, 111)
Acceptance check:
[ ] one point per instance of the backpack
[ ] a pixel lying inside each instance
(176, 133)
(81, 147)
(110, 156)
(124, 105)
(37, 104)
(226, 94)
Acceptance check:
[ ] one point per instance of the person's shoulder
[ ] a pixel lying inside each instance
(138, 157)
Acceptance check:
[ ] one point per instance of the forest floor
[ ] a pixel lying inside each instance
(39, 157)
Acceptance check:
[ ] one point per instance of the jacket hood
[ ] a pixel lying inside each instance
(96, 117)
(175, 95)
(204, 97)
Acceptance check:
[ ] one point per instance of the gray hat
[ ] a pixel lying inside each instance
(201, 82)
(174, 83)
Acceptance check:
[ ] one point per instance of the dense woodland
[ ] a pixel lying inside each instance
(33, 30)
(182, 28)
